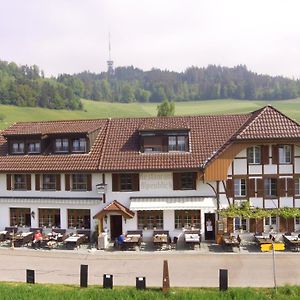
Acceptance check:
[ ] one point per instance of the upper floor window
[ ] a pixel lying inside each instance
(254, 155)
(297, 186)
(177, 143)
(285, 154)
(61, 145)
(184, 181)
(79, 145)
(270, 187)
(126, 182)
(34, 147)
(240, 189)
(49, 182)
(79, 182)
(20, 182)
(18, 147)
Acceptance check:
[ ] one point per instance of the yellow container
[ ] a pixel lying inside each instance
(269, 247)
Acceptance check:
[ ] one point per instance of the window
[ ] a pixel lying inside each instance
(297, 187)
(79, 182)
(285, 154)
(49, 218)
(150, 219)
(240, 187)
(126, 182)
(177, 143)
(18, 147)
(271, 221)
(79, 145)
(61, 145)
(297, 220)
(34, 147)
(20, 182)
(254, 155)
(49, 182)
(20, 217)
(270, 187)
(240, 223)
(152, 144)
(187, 219)
(184, 181)
(79, 218)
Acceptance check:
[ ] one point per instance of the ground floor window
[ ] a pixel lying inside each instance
(20, 217)
(240, 224)
(187, 219)
(79, 218)
(297, 220)
(49, 217)
(271, 221)
(150, 219)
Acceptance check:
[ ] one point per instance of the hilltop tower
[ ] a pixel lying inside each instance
(110, 63)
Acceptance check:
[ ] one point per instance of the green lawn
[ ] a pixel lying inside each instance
(21, 291)
(93, 109)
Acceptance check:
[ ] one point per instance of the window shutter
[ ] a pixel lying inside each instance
(291, 225)
(176, 181)
(28, 182)
(275, 155)
(251, 187)
(265, 154)
(282, 224)
(186, 143)
(142, 144)
(67, 182)
(89, 182)
(194, 180)
(229, 188)
(290, 187)
(252, 223)
(37, 182)
(281, 187)
(165, 143)
(8, 182)
(260, 187)
(259, 225)
(57, 182)
(115, 182)
(229, 225)
(135, 182)
(292, 153)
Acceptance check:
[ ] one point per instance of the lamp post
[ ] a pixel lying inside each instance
(274, 266)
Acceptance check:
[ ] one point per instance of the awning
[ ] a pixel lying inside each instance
(171, 203)
(115, 207)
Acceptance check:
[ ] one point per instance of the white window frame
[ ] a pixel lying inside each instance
(285, 154)
(36, 147)
(240, 223)
(18, 149)
(62, 148)
(297, 186)
(254, 155)
(81, 145)
(240, 187)
(268, 187)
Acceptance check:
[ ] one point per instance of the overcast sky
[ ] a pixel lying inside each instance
(68, 36)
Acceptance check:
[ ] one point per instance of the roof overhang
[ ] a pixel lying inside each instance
(115, 207)
(171, 203)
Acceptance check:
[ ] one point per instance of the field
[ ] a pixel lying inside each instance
(10, 114)
(19, 291)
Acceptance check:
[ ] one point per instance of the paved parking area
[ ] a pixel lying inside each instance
(198, 268)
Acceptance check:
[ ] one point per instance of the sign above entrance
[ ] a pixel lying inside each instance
(101, 188)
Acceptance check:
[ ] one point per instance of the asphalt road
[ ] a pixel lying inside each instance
(186, 269)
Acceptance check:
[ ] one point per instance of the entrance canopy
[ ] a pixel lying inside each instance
(171, 203)
(115, 207)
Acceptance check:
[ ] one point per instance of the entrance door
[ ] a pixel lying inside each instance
(209, 225)
(115, 226)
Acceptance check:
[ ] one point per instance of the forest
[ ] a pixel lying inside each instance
(27, 86)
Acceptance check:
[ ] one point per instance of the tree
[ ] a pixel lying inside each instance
(127, 94)
(166, 108)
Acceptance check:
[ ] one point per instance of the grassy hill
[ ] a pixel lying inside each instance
(92, 110)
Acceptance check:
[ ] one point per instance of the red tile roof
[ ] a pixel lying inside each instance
(117, 146)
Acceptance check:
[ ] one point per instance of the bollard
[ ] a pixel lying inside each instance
(30, 276)
(83, 275)
(107, 281)
(166, 278)
(223, 280)
(140, 283)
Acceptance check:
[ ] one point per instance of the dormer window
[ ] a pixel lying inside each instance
(79, 145)
(18, 147)
(177, 143)
(34, 147)
(62, 145)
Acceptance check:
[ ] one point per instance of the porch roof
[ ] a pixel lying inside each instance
(171, 203)
(115, 207)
